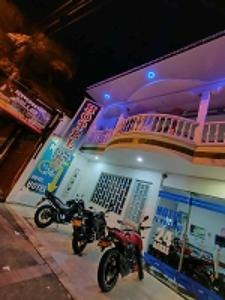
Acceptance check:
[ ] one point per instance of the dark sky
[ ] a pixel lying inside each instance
(111, 36)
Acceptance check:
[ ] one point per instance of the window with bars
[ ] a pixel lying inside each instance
(111, 191)
(137, 201)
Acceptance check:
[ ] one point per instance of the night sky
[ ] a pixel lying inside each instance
(111, 36)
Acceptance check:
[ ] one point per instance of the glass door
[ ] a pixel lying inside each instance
(187, 244)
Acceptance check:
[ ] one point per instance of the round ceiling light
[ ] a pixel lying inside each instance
(151, 74)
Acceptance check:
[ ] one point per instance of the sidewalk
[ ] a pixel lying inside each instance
(24, 274)
(79, 274)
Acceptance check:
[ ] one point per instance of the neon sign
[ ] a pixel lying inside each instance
(80, 124)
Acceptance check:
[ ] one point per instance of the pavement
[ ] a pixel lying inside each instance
(40, 264)
(24, 274)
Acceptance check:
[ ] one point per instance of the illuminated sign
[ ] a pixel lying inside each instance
(50, 169)
(55, 161)
(169, 218)
(16, 103)
(80, 124)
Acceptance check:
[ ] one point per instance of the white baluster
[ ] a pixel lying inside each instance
(158, 120)
(183, 129)
(170, 131)
(152, 122)
(164, 120)
(177, 128)
(189, 131)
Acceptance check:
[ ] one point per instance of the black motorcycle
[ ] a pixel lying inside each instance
(56, 211)
(88, 227)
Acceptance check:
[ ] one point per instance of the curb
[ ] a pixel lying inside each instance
(50, 261)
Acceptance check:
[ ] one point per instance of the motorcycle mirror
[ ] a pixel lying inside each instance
(145, 218)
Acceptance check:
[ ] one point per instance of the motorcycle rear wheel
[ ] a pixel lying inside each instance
(108, 270)
(78, 244)
(43, 216)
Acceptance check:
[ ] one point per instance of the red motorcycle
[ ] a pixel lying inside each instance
(123, 258)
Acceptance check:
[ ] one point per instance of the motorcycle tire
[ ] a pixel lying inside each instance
(109, 257)
(140, 268)
(78, 244)
(41, 213)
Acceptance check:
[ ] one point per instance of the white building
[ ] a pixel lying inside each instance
(157, 148)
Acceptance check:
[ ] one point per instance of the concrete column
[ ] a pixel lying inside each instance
(202, 114)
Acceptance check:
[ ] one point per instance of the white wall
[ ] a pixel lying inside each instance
(198, 185)
(90, 173)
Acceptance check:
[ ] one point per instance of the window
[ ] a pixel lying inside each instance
(111, 191)
(187, 243)
(137, 201)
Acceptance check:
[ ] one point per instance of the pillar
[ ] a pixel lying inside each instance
(202, 114)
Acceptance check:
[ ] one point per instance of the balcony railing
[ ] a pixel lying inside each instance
(164, 125)
(214, 133)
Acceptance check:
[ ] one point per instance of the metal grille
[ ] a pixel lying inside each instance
(111, 191)
(138, 199)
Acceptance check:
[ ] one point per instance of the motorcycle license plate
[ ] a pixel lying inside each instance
(76, 223)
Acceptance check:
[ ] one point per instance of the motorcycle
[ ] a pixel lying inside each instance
(199, 268)
(88, 226)
(55, 210)
(124, 258)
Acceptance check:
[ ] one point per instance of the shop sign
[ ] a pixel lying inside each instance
(80, 124)
(14, 102)
(50, 169)
(57, 158)
(169, 218)
(163, 240)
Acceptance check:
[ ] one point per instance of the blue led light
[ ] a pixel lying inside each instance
(151, 74)
(107, 96)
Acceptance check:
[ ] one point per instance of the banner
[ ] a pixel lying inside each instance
(16, 103)
(53, 165)
(80, 124)
(50, 169)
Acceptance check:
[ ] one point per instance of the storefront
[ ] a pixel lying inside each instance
(25, 124)
(187, 243)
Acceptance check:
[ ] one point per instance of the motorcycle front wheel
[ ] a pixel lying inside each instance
(78, 243)
(108, 270)
(43, 216)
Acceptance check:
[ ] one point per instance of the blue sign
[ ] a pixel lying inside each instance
(192, 286)
(169, 218)
(58, 156)
(50, 169)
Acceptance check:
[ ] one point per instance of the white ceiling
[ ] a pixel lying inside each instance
(169, 163)
(178, 81)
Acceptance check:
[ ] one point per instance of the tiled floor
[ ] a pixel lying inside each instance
(81, 271)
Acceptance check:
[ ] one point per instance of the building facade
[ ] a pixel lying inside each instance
(157, 148)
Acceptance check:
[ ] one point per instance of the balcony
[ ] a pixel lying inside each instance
(174, 133)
